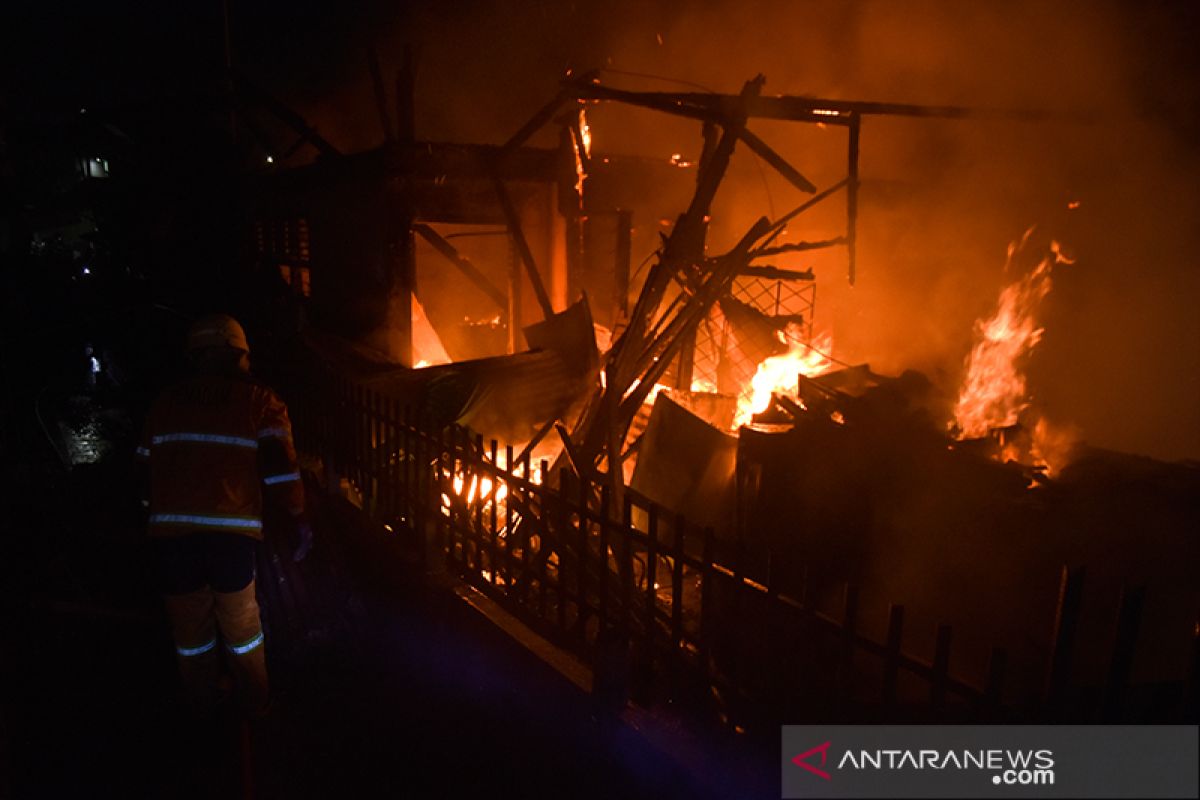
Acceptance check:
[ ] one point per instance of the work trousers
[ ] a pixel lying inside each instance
(207, 581)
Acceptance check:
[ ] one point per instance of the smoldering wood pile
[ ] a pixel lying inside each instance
(864, 485)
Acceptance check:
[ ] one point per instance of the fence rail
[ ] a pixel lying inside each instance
(659, 606)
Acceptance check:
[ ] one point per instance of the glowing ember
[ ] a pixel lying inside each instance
(993, 393)
(585, 133)
(460, 486)
(581, 155)
(652, 396)
(778, 375)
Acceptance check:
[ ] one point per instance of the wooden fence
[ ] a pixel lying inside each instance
(661, 608)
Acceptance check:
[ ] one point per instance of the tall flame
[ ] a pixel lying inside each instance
(994, 393)
(778, 375)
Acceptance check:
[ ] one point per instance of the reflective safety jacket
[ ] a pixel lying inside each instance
(213, 442)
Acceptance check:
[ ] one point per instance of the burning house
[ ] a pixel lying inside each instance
(710, 398)
(721, 399)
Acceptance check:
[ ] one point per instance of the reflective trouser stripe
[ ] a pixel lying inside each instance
(206, 520)
(241, 628)
(287, 476)
(196, 651)
(275, 433)
(207, 438)
(194, 631)
(143, 452)
(246, 646)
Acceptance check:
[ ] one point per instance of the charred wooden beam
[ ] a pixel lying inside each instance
(800, 247)
(780, 224)
(804, 109)
(535, 123)
(622, 258)
(462, 262)
(406, 109)
(776, 273)
(381, 104)
(285, 115)
(518, 235)
(654, 337)
(790, 173)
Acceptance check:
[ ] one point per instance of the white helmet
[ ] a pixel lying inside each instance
(217, 330)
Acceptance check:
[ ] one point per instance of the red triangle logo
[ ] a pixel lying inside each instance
(801, 760)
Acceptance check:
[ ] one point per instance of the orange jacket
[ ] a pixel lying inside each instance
(213, 441)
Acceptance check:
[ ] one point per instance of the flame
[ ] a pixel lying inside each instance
(653, 394)
(585, 136)
(482, 488)
(585, 133)
(1053, 446)
(993, 393)
(778, 374)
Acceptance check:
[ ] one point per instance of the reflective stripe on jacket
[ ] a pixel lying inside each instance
(213, 442)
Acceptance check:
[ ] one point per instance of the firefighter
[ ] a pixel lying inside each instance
(215, 443)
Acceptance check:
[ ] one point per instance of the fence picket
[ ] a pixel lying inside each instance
(404, 468)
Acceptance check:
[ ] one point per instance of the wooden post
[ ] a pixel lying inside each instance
(626, 566)
(677, 643)
(381, 105)
(406, 115)
(993, 690)
(562, 522)
(651, 577)
(852, 196)
(402, 255)
(941, 667)
(477, 534)
(1066, 622)
(622, 259)
(514, 312)
(518, 236)
(706, 601)
(581, 585)
(494, 537)
(1129, 618)
(510, 496)
(849, 641)
(891, 659)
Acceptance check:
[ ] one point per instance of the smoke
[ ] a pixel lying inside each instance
(941, 200)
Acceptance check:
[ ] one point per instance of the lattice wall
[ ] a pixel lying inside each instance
(727, 352)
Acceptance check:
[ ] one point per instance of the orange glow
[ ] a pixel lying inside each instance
(993, 393)
(482, 488)
(779, 375)
(585, 133)
(585, 136)
(652, 396)
(1052, 446)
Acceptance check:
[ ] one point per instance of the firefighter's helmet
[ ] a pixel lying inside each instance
(217, 330)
